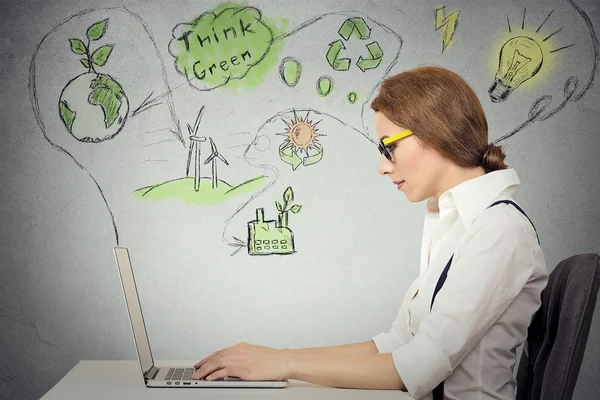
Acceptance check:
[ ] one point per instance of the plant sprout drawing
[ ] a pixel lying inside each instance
(93, 106)
(100, 55)
(287, 206)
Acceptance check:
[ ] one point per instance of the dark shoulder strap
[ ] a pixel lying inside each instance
(441, 281)
(520, 209)
(438, 392)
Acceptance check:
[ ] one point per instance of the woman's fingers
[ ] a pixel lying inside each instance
(220, 360)
(220, 353)
(206, 369)
(199, 363)
(206, 359)
(221, 373)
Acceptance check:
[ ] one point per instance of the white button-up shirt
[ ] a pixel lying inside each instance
(481, 314)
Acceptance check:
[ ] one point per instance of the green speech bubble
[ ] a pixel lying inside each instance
(220, 46)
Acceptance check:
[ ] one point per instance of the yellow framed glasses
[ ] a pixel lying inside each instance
(383, 143)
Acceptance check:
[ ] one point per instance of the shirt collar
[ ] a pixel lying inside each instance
(474, 195)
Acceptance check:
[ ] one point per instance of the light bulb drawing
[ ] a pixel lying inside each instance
(520, 59)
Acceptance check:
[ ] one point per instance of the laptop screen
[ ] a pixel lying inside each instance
(134, 308)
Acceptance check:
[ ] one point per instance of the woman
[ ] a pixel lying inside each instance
(479, 250)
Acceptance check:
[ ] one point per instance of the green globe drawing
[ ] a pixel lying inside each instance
(93, 107)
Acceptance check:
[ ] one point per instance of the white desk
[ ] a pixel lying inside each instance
(114, 380)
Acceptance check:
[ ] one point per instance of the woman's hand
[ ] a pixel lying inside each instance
(245, 361)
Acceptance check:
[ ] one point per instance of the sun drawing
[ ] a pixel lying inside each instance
(302, 134)
(301, 144)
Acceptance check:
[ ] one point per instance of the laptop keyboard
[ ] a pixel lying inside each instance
(185, 374)
(176, 374)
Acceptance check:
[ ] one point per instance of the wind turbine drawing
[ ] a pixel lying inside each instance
(195, 142)
(213, 158)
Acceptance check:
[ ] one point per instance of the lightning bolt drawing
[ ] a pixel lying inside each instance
(450, 22)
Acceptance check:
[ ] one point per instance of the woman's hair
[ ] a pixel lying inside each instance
(444, 112)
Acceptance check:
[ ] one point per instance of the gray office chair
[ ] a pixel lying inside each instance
(558, 332)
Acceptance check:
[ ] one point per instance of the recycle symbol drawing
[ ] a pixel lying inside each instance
(358, 27)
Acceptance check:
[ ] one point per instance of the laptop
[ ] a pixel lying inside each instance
(171, 376)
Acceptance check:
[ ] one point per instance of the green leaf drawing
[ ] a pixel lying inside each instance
(77, 47)
(85, 62)
(296, 208)
(107, 94)
(101, 55)
(288, 195)
(279, 206)
(66, 114)
(97, 30)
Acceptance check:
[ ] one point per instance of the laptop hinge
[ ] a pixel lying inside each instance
(151, 374)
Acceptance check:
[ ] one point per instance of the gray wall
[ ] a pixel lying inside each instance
(65, 202)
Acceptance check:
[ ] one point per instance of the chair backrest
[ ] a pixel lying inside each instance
(558, 332)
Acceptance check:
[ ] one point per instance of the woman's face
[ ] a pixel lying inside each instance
(415, 169)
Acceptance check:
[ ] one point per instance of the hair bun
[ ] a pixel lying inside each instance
(493, 158)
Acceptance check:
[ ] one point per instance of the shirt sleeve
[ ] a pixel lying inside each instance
(399, 334)
(489, 270)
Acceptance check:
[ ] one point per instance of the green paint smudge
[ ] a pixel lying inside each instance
(182, 189)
